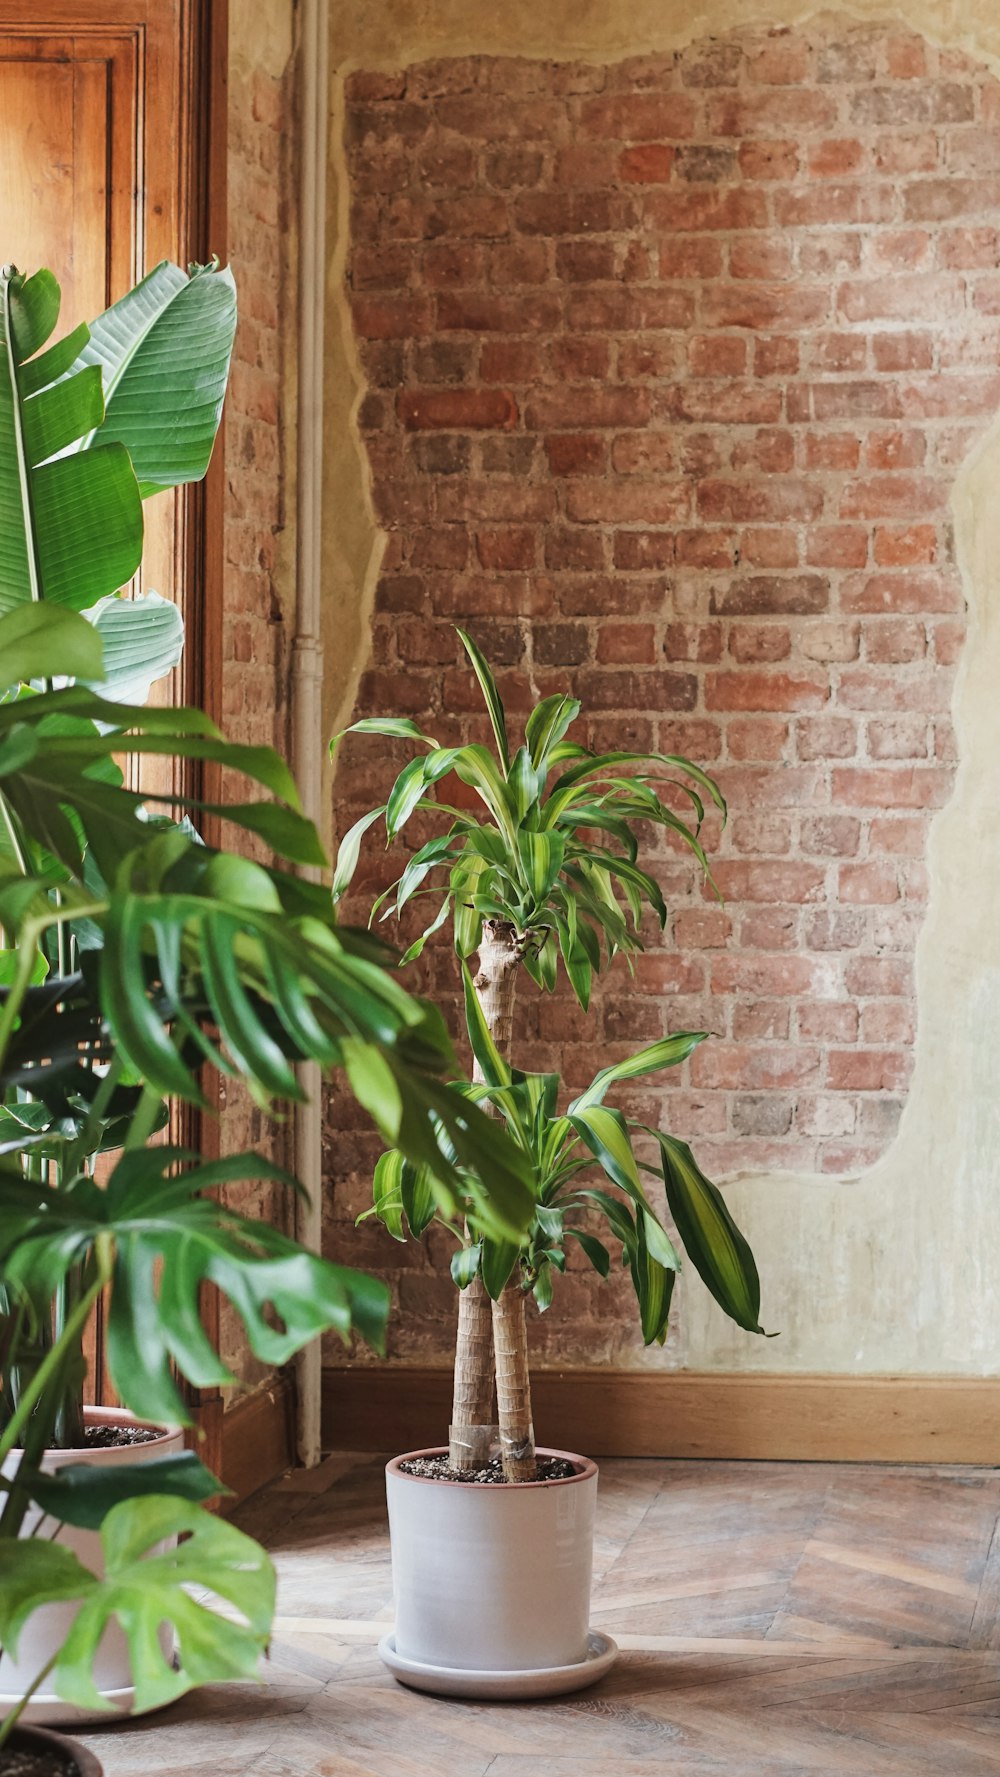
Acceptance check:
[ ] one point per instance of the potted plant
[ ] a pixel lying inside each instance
(133, 954)
(531, 878)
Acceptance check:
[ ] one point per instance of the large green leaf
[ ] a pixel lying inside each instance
(71, 525)
(496, 1071)
(47, 641)
(143, 640)
(711, 1239)
(547, 724)
(163, 351)
(491, 696)
(665, 1053)
(144, 1586)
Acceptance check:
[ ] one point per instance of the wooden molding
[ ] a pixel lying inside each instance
(940, 1419)
(258, 1439)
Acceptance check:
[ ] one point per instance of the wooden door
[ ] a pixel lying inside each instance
(112, 157)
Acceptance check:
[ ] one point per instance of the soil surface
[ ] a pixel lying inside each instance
(437, 1468)
(113, 1437)
(18, 1759)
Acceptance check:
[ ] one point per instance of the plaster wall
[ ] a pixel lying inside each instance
(893, 1270)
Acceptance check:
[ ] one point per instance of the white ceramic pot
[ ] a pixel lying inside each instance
(48, 1627)
(492, 1578)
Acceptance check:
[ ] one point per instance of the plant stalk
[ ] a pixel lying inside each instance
(496, 988)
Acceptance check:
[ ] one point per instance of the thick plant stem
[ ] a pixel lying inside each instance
(471, 1431)
(510, 1339)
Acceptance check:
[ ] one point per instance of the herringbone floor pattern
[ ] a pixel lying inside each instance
(776, 1620)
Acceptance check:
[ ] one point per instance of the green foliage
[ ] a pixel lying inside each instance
(131, 955)
(565, 1150)
(554, 852)
(143, 1587)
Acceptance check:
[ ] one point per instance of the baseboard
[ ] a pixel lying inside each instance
(919, 1419)
(258, 1439)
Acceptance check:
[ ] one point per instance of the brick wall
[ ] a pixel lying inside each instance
(671, 365)
(257, 590)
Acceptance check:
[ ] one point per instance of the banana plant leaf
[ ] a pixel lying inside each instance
(163, 352)
(143, 640)
(70, 524)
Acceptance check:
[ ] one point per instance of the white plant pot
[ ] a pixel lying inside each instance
(48, 1627)
(492, 1583)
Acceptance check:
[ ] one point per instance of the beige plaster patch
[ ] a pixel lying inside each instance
(895, 1271)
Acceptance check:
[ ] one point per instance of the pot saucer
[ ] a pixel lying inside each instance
(49, 1711)
(544, 1681)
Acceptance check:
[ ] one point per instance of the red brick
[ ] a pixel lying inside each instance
(576, 454)
(628, 502)
(754, 642)
(837, 546)
(769, 160)
(693, 641)
(835, 158)
(769, 1067)
(891, 593)
(771, 596)
(650, 164)
(627, 644)
(756, 738)
(507, 549)
(827, 1022)
(907, 786)
(640, 117)
(899, 737)
(832, 450)
(770, 547)
(568, 408)
(868, 884)
(764, 691)
(642, 550)
(643, 453)
(744, 881)
(867, 1070)
(714, 355)
(909, 546)
(457, 409)
(827, 737)
(895, 642)
(832, 836)
(776, 500)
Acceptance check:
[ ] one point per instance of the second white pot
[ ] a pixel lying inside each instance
(492, 1578)
(48, 1627)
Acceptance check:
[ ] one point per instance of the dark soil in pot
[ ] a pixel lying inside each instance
(34, 1752)
(118, 1437)
(438, 1468)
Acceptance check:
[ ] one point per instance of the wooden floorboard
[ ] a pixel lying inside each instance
(776, 1620)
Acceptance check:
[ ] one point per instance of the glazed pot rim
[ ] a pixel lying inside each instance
(110, 1416)
(586, 1469)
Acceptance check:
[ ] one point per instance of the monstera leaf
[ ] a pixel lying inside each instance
(142, 1587)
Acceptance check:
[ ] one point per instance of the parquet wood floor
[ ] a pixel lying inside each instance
(776, 1620)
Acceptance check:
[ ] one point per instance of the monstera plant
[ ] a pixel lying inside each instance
(134, 956)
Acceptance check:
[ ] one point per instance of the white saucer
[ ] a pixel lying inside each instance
(49, 1711)
(545, 1681)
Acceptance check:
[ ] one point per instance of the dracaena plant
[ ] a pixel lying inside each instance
(575, 1155)
(132, 955)
(544, 876)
